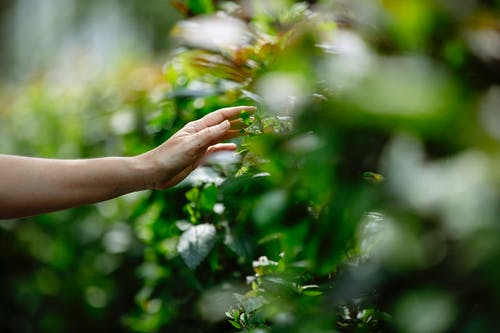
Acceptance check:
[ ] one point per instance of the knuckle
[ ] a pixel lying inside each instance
(210, 132)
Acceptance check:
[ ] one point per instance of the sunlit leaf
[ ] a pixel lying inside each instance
(196, 243)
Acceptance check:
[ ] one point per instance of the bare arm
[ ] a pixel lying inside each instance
(30, 186)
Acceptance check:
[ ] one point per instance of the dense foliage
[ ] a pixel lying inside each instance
(364, 196)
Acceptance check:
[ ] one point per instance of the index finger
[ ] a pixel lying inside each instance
(218, 116)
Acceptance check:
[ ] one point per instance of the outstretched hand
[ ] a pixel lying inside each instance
(35, 185)
(186, 149)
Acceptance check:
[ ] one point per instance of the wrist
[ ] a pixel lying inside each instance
(144, 172)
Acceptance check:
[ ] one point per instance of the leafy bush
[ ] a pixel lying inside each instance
(364, 197)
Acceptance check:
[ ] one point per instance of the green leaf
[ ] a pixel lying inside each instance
(246, 117)
(193, 194)
(192, 212)
(249, 303)
(311, 290)
(373, 177)
(235, 324)
(201, 6)
(208, 198)
(196, 243)
(144, 225)
(237, 243)
(312, 293)
(269, 207)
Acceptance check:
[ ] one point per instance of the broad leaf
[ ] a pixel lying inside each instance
(195, 244)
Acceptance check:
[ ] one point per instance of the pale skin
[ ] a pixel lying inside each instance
(31, 186)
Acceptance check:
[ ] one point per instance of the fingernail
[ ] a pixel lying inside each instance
(225, 124)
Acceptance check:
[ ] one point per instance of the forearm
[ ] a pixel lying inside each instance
(30, 186)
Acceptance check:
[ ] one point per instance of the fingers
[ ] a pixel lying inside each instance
(238, 124)
(186, 171)
(221, 147)
(211, 135)
(216, 117)
(231, 134)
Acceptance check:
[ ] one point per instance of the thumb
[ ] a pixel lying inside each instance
(212, 134)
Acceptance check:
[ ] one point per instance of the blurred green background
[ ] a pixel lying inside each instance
(365, 197)
(77, 77)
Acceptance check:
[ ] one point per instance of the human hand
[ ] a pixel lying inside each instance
(172, 161)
